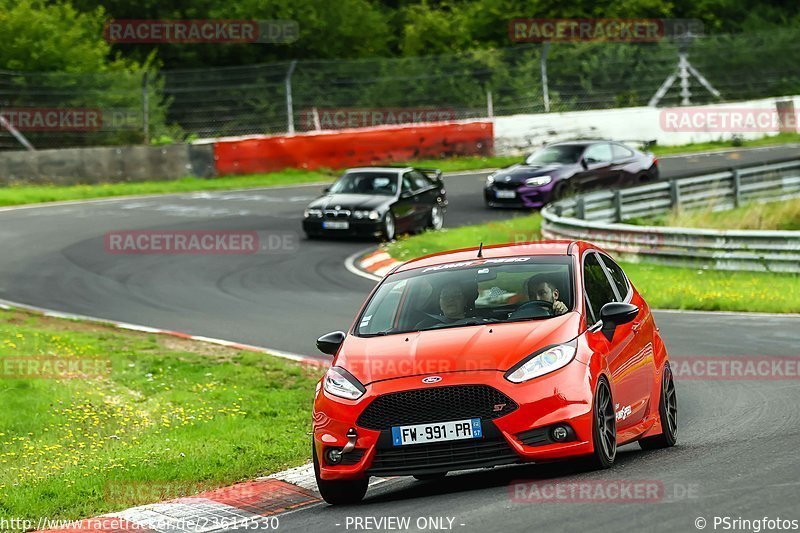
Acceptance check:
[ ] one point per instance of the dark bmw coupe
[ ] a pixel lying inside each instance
(378, 202)
(560, 169)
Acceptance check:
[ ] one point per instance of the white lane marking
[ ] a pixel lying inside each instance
(151, 196)
(729, 313)
(7, 304)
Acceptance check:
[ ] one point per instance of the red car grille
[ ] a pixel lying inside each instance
(435, 404)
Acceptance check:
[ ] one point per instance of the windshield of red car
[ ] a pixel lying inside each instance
(382, 183)
(469, 293)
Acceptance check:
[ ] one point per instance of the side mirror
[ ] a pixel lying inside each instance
(614, 314)
(327, 189)
(331, 342)
(584, 163)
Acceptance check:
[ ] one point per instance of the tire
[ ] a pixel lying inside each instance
(430, 477)
(604, 427)
(389, 227)
(339, 492)
(436, 218)
(561, 191)
(668, 412)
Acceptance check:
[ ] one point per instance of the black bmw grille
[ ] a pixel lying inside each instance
(435, 404)
(442, 457)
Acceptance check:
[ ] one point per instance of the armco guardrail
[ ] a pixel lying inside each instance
(599, 217)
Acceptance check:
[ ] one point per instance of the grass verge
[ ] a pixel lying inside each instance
(171, 417)
(783, 215)
(29, 194)
(663, 287)
(775, 140)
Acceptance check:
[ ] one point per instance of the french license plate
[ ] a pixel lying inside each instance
(438, 432)
(506, 194)
(332, 224)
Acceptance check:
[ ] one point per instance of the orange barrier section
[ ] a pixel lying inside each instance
(356, 147)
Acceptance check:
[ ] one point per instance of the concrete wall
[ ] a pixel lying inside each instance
(521, 133)
(106, 164)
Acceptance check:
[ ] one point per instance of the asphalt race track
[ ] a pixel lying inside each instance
(737, 454)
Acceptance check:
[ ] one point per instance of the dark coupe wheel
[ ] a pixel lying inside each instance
(560, 191)
(389, 227)
(668, 412)
(436, 220)
(604, 427)
(339, 492)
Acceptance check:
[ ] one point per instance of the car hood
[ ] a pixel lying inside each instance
(521, 172)
(349, 201)
(459, 349)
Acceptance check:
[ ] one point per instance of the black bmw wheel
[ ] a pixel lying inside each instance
(389, 227)
(436, 220)
(604, 428)
(668, 412)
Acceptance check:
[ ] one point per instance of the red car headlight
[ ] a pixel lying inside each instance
(542, 362)
(341, 383)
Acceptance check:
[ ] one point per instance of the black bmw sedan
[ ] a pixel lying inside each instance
(560, 169)
(378, 202)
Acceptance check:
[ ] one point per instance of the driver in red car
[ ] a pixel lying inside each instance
(541, 288)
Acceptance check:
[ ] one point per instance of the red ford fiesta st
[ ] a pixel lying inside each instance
(491, 356)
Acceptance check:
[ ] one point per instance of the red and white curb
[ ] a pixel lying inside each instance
(244, 505)
(371, 264)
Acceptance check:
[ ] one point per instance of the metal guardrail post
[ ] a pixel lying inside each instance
(675, 194)
(737, 187)
(580, 208)
(145, 109)
(618, 206)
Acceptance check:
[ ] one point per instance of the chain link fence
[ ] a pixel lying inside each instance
(177, 105)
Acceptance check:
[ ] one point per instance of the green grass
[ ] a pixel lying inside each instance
(467, 162)
(28, 194)
(783, 215)
(781, 138)
(663, 287)
(172, 417)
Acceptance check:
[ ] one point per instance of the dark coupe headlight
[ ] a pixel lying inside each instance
(538, 181)
(372, 215)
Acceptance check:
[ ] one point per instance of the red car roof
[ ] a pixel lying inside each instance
(554, 247)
